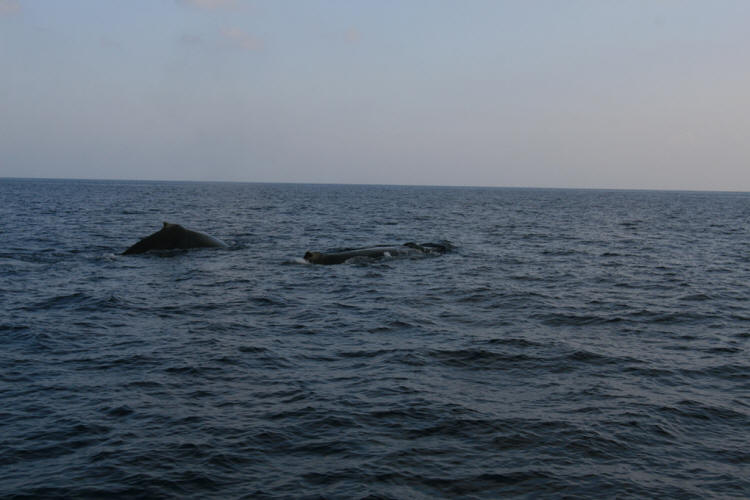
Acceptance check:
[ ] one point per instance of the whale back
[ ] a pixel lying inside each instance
(326, 259)
(373, 252)
(173, 236)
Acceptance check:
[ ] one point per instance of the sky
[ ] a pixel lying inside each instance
(631, 94)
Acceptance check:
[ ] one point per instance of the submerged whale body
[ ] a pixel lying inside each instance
(174, 236)
(376, 252)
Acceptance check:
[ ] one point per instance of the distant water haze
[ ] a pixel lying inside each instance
(585, 93)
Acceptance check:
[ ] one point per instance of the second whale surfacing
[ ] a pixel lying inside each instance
(375, 252)
(174, 236)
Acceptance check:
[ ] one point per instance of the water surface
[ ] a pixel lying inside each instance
(574, 343)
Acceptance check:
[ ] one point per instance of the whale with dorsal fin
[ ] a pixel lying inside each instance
(174, 236)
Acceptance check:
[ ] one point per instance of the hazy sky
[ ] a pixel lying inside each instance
(564, 93)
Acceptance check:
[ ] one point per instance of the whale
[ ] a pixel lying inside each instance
(375, 252)
(174, 236)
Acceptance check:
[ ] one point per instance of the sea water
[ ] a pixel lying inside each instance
(574, 343)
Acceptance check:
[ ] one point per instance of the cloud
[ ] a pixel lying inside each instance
(208, 4)
(352, 35)
(191, 39)
(242, 39)
(9, 7)
(109, 43)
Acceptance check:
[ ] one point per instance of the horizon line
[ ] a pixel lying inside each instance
(458, 186)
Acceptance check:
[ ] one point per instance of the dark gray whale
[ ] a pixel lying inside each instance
(376, 252)
(173, 236)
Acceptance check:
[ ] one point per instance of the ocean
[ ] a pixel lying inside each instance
(573, 344)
